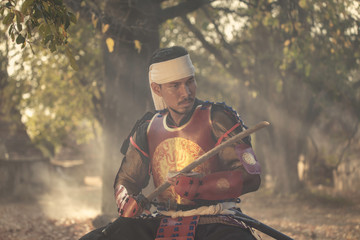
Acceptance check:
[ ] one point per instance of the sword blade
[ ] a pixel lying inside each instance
(260, 226)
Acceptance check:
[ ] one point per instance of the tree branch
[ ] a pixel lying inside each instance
(234, 69)
(117, 27)
(226, 45)
(182, 9)
(218, 55)
(88, 12)
(229, 11)
(348, 144)
(316, 149)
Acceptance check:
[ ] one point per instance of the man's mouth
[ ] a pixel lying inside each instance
(187, 101)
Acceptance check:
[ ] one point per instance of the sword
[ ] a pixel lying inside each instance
(260, 226)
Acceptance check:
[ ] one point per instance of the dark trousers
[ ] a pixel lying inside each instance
(146, 229)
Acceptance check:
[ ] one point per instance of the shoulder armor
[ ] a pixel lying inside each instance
(229, 110)
(138, 123)
(221, 106)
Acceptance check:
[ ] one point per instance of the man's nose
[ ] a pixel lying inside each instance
(185, 90)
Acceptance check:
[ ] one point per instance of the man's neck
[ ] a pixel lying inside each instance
(176, 119)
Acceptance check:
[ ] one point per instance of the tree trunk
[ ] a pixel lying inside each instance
(134, 28)
(127, 92)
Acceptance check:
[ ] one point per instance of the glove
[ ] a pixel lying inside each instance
(134, 206)
(128, 205)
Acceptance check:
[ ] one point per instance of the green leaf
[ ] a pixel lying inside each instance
(72, 17)
(9, 18)
(52, 46)
(25, 6)
(12, 35)
(19, 26)
(42, 28)
(48, 38)
(10, 29)
(37, 13)
(58, 2)
(73, 64)
(20, 39)
(71, 58)
(19, 16)
(67, 22)
(28, 27)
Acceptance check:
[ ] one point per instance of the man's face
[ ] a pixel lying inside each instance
(179, 95)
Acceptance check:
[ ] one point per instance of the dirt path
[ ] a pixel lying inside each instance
(67, 215)
(308, 218)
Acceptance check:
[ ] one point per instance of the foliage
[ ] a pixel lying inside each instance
(56, 101)
(47, 20)
(292, 59)
(285, 61)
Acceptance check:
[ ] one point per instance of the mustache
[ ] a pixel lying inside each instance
(189, 99)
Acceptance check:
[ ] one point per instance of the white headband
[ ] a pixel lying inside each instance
(168, 71)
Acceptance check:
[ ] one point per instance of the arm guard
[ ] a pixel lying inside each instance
(129, 206)
(215, 186)
(247, 157)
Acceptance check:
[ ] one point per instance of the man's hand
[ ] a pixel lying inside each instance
(134, 206)
(129, 205)
(130, 208)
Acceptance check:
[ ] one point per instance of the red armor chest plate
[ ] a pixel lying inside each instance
(171, 149)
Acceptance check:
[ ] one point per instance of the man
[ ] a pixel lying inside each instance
(199, 205)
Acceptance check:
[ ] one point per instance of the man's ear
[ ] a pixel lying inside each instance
(156, 88)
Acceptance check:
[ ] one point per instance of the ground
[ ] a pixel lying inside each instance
(306, 217)
(67, 214)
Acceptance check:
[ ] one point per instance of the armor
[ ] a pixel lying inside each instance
(171, 149)
(159, 148)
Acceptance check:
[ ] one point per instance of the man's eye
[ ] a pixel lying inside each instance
(190, 81)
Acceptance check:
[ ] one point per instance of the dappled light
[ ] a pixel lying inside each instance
(63, 211)
(68, 200)
(74, 81)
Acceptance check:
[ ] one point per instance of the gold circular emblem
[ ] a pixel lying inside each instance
(249, 158)
(172, 155)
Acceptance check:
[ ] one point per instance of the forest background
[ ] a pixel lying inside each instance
(73, 77)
